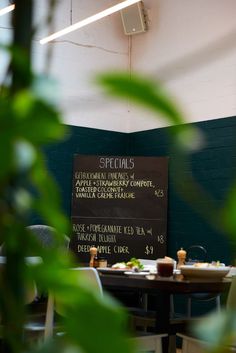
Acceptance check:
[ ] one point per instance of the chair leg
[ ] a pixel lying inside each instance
(49, 317)
(145, 306)
(172, 306)
(189, 307)
(218, 303)
(172, 344)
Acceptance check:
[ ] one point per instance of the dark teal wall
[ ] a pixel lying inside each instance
(214, 167)
(59, 157)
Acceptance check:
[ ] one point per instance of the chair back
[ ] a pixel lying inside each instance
(196, 253)
(91, 276)
(30, 293)
(88, 275)
(46, 235)
(30, 289)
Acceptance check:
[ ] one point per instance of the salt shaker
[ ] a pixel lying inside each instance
(181, 254)
(93, 253)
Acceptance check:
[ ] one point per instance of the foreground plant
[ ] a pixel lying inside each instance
(220, 330)
(27, 123)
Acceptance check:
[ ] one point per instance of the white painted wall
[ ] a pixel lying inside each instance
(79, 57)
(190, 46)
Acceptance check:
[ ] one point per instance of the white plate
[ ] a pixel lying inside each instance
(190, 271)
(232, 272)
(142, 273)
(177, 272)
(149, 268)
(145, 273)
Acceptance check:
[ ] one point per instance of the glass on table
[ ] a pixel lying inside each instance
(165, 267)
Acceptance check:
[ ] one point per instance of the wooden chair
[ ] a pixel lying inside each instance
(46, 235)
(149, 342)
(194, 345)
(30, 289)
(196, 253)
(145, 342)
(35, 326)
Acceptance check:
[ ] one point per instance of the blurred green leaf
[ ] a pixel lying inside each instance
(30, 120)
(24, 155)
(218, 330)
(105, 321)
(37, 121)
(151, 95)
(142, 91)
(22, 201)
(46, 89)
(228, 216)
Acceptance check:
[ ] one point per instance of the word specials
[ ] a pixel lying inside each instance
(116, 163)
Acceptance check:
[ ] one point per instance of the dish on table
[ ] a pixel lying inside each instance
(146, 273)
(111, 270)
(232, 272)
(133, 265)
(207, 272)
(132, 273)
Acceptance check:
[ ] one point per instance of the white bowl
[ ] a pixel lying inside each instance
(190, 271)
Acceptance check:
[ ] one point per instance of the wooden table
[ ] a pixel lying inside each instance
(163, 288)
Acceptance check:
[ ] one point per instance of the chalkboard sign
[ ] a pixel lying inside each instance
(119, 205)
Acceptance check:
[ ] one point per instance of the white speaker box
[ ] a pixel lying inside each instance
(134, 19)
